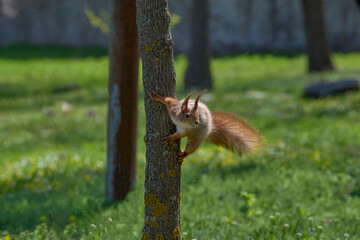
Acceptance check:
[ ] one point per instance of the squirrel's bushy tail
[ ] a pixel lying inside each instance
(234, 133)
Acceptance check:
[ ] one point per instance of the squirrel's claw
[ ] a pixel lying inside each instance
(167, 141)
(181, 156)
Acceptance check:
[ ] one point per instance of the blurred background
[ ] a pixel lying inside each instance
(235, 25)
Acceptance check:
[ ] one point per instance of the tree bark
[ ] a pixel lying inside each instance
(123, 95)
(162, 173)
(198, 74)
(318, 43)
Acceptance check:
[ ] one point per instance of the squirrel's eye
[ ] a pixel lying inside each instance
(187, 115)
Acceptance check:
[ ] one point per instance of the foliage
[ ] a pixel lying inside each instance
(305, 184)
(102, 20)
(175, 20)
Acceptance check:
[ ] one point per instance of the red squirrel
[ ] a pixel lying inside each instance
(195, 121)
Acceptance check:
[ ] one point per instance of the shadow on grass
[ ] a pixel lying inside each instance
(26, 52)
(13, 90)
(277, 53)
(197, 170)
(56, 200)
(237, 169)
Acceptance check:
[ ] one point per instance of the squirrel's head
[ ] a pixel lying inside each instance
(190, 115)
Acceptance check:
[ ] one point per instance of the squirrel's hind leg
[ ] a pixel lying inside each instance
(156, 97)
(165, 100)
(191, 145)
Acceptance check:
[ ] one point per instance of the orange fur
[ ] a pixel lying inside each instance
(195, 121)
(233, 133)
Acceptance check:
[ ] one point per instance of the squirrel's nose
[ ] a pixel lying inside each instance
(196, 122)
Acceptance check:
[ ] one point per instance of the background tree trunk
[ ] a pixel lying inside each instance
(198, 74)
(318, 43)
(162, 173)
(358, 3)
(123, 94)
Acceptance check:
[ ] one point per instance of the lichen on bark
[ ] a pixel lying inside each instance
(162, 210)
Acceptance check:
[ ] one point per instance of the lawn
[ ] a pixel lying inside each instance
(305, 184)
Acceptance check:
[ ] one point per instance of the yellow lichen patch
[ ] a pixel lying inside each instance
(176, 232)
(162, 175)
(159, 209)
(172, 173)
(147, 47)
(146, 236)
(152, 223)
(150, 199)
(153, 43)
(159, 237)
(157, 59)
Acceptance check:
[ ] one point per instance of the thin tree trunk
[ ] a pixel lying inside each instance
(162, 173)
(318, 43)
(198, 74)
(123, 95)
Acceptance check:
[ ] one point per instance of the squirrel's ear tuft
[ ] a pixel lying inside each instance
(197, 99)
(186, 101)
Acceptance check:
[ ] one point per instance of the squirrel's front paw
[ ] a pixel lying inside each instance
(167, 141)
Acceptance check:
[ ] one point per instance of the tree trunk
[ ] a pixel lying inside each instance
(358, 3)
(318, 43)
(198, 74)
(123, 95)
(162, 173)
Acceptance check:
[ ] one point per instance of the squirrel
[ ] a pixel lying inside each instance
(195, 121)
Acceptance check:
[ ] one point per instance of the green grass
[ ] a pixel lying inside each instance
(304, 185)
